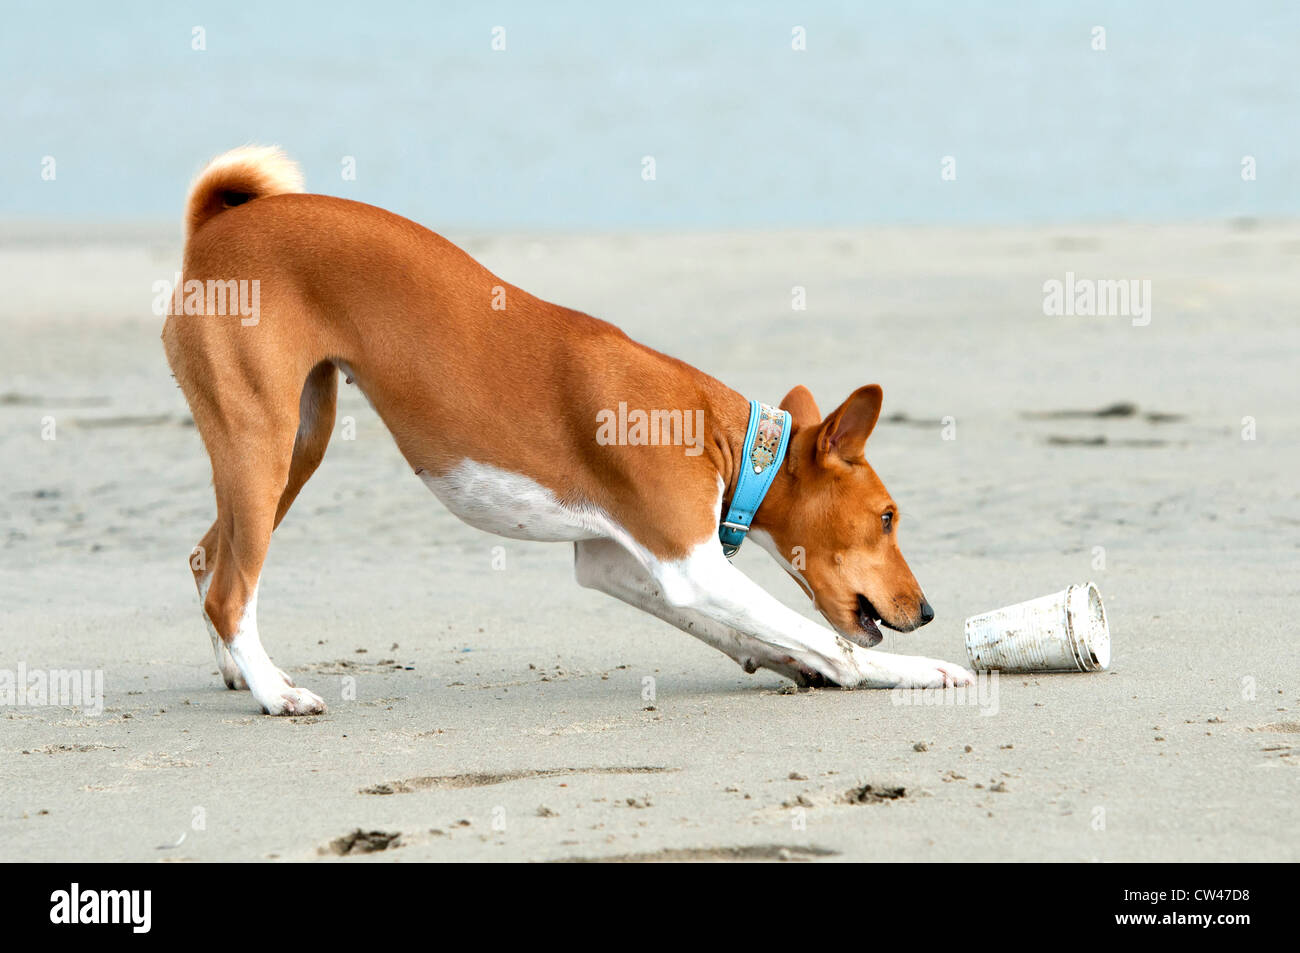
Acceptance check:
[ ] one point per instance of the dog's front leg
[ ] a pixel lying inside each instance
(606, 566)
(706, 584)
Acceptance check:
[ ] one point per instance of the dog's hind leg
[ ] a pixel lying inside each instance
(604, 565)
(253, 439)
(316, 409)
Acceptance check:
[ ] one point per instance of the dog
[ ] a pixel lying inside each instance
(495, 399)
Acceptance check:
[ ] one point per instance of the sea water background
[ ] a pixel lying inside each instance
(745, 131)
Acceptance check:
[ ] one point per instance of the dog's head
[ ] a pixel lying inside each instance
(835, 526)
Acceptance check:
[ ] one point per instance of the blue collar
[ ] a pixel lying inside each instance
(766, 440)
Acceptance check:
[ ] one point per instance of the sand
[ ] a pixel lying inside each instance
(503, 713)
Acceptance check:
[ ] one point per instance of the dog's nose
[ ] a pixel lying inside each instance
(927, 613)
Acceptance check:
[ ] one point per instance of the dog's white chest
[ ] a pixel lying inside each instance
(509, 504)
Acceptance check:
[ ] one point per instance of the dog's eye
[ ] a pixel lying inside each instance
(887, 521)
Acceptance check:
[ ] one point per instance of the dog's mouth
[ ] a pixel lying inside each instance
(868, 622)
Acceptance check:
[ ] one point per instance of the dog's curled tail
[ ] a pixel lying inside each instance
(236, 177)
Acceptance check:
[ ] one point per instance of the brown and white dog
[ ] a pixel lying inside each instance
(497, 412)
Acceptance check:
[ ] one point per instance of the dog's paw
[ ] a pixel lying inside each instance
(935, 673)
(955, 676)
(289, 700)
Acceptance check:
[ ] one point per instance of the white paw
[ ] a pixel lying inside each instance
(935, 673)
(288, 700)
(273, 689)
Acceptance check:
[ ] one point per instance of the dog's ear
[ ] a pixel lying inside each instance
(802, 407)
(844, 433)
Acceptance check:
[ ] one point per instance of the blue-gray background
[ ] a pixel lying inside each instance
(745, 132)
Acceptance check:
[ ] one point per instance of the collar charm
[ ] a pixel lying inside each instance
(766, 440)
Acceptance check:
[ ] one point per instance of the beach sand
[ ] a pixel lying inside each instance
(504, 713)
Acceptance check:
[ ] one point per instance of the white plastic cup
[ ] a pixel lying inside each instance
(1063, 632)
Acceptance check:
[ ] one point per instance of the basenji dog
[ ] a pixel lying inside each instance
(514, 412)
